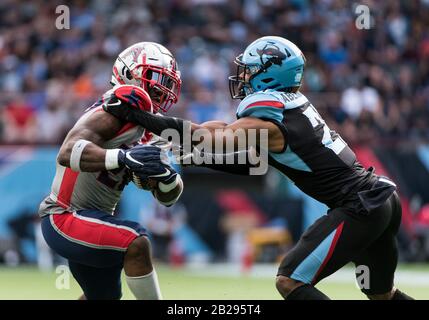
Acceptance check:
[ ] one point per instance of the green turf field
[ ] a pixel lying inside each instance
(29, 283)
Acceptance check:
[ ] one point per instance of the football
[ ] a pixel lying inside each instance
(169, 198)
(145, 184)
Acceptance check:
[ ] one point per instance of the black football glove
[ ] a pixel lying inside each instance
(140, 157)
(148, 161)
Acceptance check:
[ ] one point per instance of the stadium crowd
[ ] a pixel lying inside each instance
(370, 85)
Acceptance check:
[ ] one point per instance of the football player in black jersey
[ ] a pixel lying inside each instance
(364, 209)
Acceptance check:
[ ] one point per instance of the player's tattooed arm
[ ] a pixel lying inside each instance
(98, 128)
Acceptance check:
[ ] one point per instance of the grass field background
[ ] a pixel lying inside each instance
(215, 282)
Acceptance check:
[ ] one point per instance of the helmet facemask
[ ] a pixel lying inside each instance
(162, 85)
(239, 85)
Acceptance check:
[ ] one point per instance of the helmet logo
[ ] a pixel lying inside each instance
(271, 54)
(133, 53)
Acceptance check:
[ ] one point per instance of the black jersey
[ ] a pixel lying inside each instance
(315, 158)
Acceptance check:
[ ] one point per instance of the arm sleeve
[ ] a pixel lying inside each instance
(238, 162)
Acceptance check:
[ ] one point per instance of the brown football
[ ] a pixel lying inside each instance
(145, 184)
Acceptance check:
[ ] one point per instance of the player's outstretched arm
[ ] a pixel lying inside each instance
(240, 159)
(266, 134)
(212, 130)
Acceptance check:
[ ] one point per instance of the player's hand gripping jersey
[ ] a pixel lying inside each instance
(315, 158)
(72, 191)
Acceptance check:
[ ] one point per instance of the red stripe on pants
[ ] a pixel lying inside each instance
(331, 250)
(94, 233)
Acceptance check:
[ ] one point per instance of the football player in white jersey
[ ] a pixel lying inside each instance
(99, 156)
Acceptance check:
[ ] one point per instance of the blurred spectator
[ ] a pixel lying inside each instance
(52, 124)
(19, 122)
(355, 100)
(203, 107)
(332, 51)
(38, 61)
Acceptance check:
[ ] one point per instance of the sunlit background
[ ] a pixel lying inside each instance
(227, 234)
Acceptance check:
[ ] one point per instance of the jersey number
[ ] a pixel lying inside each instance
(105, 178)
(331, 141)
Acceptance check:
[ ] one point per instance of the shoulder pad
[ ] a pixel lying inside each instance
(127, 96)
(261, 104)
(133, 96)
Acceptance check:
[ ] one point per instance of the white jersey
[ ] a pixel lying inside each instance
(72, 191)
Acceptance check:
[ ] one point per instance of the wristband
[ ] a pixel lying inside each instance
(76, 154)
(112, 159)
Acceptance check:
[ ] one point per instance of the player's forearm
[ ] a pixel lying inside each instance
(91, 159)
(239, 162)
(214, 124)
(212, 133)
(81, 149)
(240, 169)
(218, 137)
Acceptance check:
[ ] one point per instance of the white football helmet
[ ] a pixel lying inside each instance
(152, 67)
